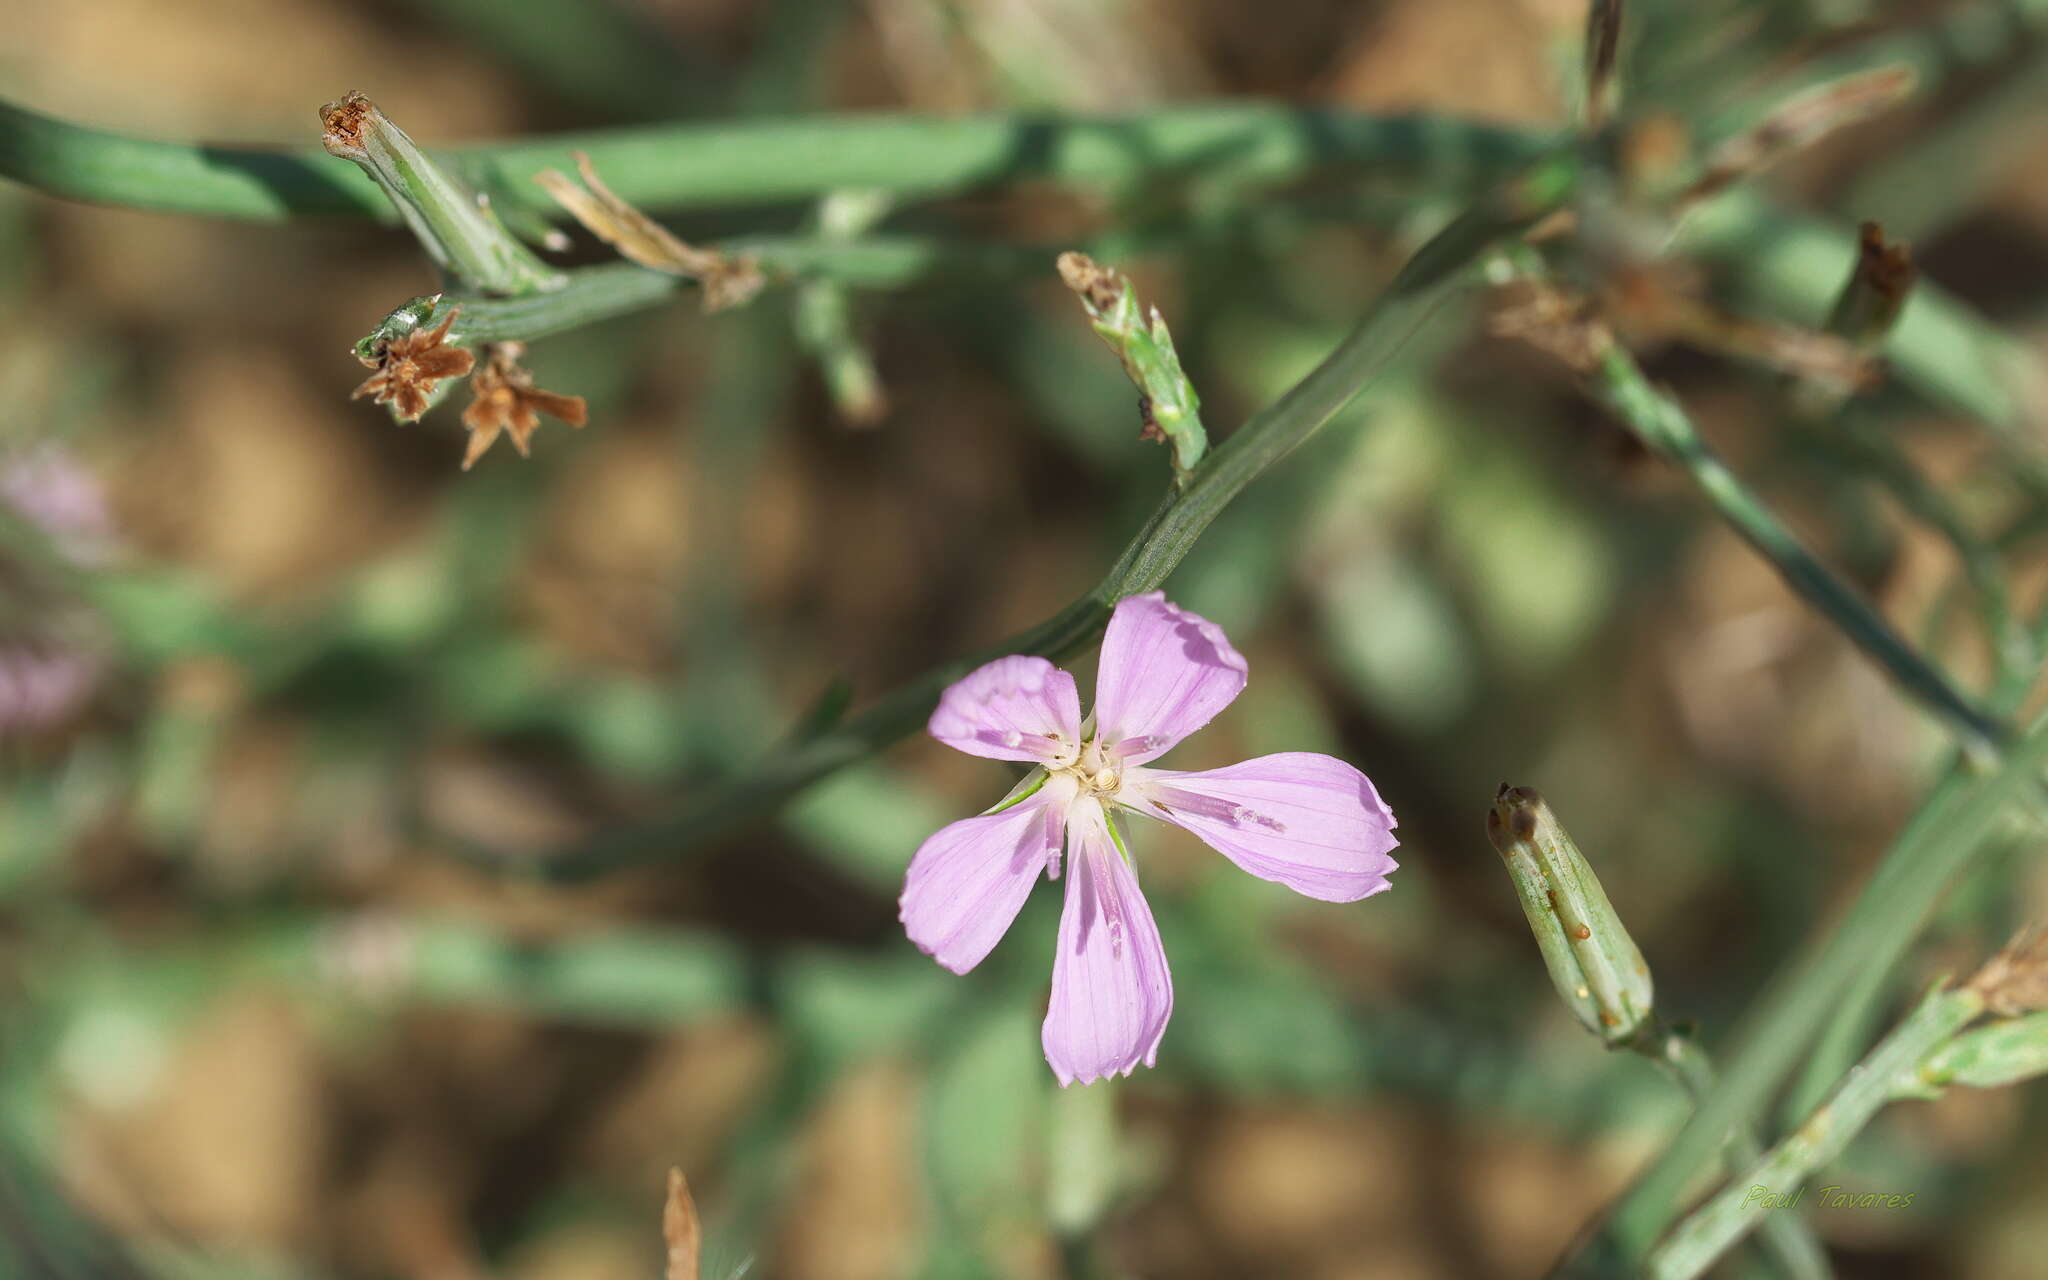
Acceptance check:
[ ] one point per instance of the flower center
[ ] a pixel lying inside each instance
(1099, 776)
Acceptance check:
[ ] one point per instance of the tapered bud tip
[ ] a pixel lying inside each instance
(1886, 268)
(1595, 966)
(1513, 816)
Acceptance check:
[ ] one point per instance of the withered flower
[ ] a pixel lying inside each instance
(1552, 319)
(727, 282)
(342, 125)
(679, 1229)
(1799, 123)
(409, 367)
(507, 401)
(2015, 981)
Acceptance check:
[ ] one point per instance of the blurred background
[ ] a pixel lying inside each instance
(270, 663)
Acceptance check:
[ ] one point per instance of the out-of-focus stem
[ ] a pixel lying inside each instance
(671, 167)
(1663, 425)
(1789, 1236)
(1733, 1211)
(1942, 839)
(1947, 353)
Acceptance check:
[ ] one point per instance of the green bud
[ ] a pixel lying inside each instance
(1145, 348)
(404, 320)
(457, 228)
(1875, 292)
(1593, 962)
(2000, 1053)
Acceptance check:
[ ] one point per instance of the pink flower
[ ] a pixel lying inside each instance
(1308, 821)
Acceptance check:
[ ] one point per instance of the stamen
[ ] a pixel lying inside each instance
(1250, 817)
(1112, 907)
(1136, 746)
(1202, 806)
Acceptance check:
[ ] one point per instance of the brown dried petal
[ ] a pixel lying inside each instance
(506, 402)
(1553, 320)
(343, 123)
(1099, 286)
(1799, 123)
(2015, 981)
(408, 368)
(727, 282)
(679, 1228)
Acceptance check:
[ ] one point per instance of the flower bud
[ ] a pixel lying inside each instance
(1170, 407)
(455, 226)
(1594, 963)
(1999, 1053)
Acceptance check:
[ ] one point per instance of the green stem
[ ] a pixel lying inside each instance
(1788, 1236)
(1426, 280)
(1738, 1207)
(1663, 425)
(1942, 840)
(1861, 447)
(664, 168)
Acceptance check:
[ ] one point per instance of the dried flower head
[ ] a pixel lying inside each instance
(2015, 981)
(342, 125)
(408, 368)
(1799, 123)
(1552, 319)
(507, 401)
(1876, 291)
(1102, 288)
(727, 282)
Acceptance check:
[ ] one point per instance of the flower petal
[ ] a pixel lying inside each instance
(1111, 991)
(970, 879)
(1165, 673)
(1015, 708)
(1308, 821)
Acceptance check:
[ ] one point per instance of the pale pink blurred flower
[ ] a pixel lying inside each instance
(1308, 821)
(50, 667)
(41, 688)
(51, 489)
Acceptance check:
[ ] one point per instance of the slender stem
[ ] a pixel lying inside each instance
(1856, 444)
(1430, 276)
(664, 168)
(1944, 837)
(1662, 424)
(1757, 1193)
(1850, 1025)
